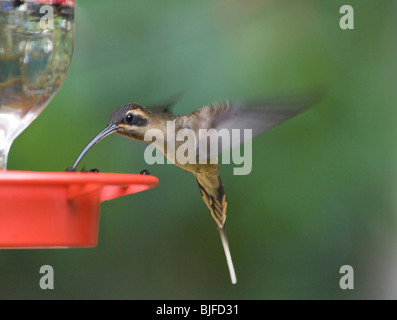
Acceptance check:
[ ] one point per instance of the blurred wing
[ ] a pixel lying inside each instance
(226, 116)
(165, 106)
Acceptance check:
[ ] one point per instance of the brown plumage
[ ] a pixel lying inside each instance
(212, 191)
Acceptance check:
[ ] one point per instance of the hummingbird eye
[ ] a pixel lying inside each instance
(129, 118)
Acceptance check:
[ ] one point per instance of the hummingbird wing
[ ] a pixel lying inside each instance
(227, 115)
(165, 105)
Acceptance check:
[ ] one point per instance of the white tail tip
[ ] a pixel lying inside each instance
(229, 260)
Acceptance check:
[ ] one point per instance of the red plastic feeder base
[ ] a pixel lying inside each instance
(59, 209)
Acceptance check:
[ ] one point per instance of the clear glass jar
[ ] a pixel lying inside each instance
(36, 47)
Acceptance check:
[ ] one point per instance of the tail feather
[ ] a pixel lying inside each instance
(214, 196)
(225, 243)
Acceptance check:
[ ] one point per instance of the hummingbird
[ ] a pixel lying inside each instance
(134, 120)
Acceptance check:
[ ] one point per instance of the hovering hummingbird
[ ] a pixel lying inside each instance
(134, 120)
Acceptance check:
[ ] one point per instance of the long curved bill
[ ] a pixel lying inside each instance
(105, 132)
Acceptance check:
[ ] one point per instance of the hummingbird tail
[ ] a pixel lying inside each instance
(213, 194)
(225, 243)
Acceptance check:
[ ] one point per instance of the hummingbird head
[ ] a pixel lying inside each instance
(130, 120)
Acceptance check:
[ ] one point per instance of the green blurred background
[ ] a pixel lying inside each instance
(322, 192)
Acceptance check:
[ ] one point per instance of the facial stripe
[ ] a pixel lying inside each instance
(137, 112)
(139, 118)
(139, 121)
